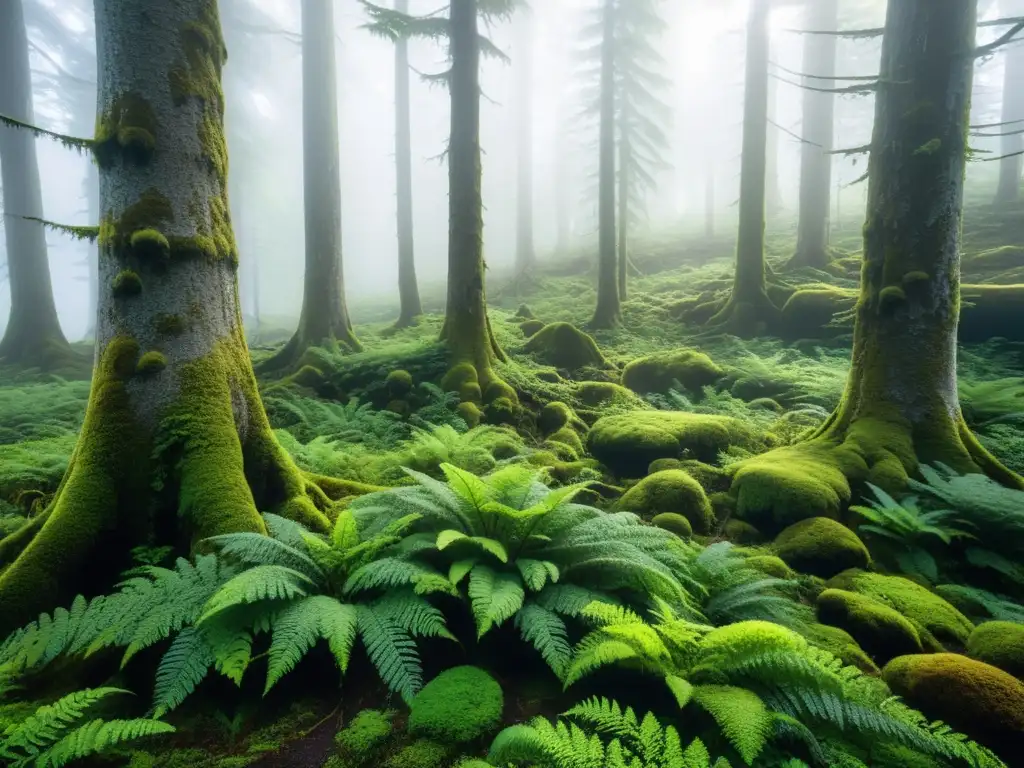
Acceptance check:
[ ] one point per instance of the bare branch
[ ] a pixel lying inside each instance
(863, 150)
(869, 78)
(1006, 37)
(788, 132)
(850, 89)
(853, 34)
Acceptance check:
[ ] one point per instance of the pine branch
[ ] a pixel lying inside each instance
(69, 142)
(790, 133)
(78, 233)
(850, 89)
(869, 78)
(1008, 36)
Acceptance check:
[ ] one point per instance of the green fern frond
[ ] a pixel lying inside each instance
(284, 530)
(546, 632)
(592, 654)
(570, 599)
(231, 647)
(263, 582)
(741, 714)
(181, 669)
(494, 596)
(391, 573)
(414, 614)
(392, 651)
(253, 549)
(446, 538)
(537, 573)
(298, 627)
(94, 738)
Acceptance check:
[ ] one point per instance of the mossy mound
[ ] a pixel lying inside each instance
(670, 491)
(531, 327)
(811, 308)
(988, 311)
(770, 565)
(398, 383)
(821, 547)
(656, 373)
(995, 259)
(361, 740)
(740, 532)
(567, 436)
(673, 522)
(978, 699)
(460, 705)
(555, 416)
(1001, 644)
(936, 621)
(628, 443)
(604, 393)
(563, 345)
(882, 632)
(422, 753)
(840, 644)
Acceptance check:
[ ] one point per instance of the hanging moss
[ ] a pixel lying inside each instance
(126, 283)
(127, 129)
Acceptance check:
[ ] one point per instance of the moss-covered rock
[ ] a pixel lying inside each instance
(569, 437)
(978, 699)
(422, 753)
(821, 547)
(771, 565)
(361, 740)
(741, 532)
(878, 629)
(670, 491)
(470, 413)
(563, 345)
(810, 309)
(460, 705)
(840, 644)
(530, 327)
(936, 621)
(1001, 644)
(673, 522)
(604, 393)
(398, 383)
(656, 373)
(628, 443)
(554, 416)
(524, 313)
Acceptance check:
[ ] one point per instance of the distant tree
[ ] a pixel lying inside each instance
(324, 320)
(523, 53)
(1012, 165)
(176, 445)
(773, 188)
(33, 337)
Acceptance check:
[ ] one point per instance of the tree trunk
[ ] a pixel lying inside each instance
(92, 197)
(815, 160)
(709, 202)
(749, 311)
(467, 329)
(523, 61)
(608, 312)
(773, 192)
(900, 406)
(176, 445)
(324, 320)
(563, 223)
(408, 289)
(33, 337)
(624, 183)
(1010, 168)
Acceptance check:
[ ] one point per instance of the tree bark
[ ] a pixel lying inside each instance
(92, 196)
(818, 128)
(625, 159)
(176, 445)
(773, 191)
(525, 255)
(467, 329)
(749, 311)
(33, 337)
(563, 173)
(324, 320)
(1010, 168)
(408, 289)
(608, 312)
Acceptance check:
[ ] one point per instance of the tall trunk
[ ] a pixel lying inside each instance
(324, 320)
(709, 202)
(1010, 168)
(608, 311)
(815, 160)
(467, 330)
(175, 445)
(773, 192)
(408, 289)
(525, 255)
(33, 336)
(625, 159)
(92, 197)
(749, 310)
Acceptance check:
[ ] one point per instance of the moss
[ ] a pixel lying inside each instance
(1001, 644)
(128, 128)
(151, 363)
(524, 313)
(628, 443)
(991, 310)
(151, 211)
(398, 383)
(598, 393)
(812, 308)
(460, 705)
(459, 376)
(150, 244)
(935, 619)
(840, 644)
(422, 753)
(741, 532)
(915, 278)
(978, 699)
(821, 547)
(531, 327)
(362, 739)
(126, 283)
(891, 297)
(568, 436)
(563, 345)
(498, 390)
(470, 413)
(169, 325)
(670, 491)
(876, 627)
(771, 565)
(656, 373)
(930, 147)
(400, 407)
(674, 523)
(995, 259)
(554, 416)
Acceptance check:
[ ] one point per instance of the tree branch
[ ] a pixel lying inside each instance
(853, 34)
(69, 142)
(788, 132)
(850, 89)
(820, 77)
(62, 73)
(78, 233)
(1006, 37)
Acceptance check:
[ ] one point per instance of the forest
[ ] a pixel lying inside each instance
(551, 384)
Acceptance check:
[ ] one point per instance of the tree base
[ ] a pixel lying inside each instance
(49, 355)
(813, 258)
(747, 318)
(291, 356)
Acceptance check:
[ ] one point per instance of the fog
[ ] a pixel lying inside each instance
(703, 51)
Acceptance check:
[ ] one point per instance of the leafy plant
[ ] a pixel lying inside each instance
(55, 734)
(478, 450)
(526, 551)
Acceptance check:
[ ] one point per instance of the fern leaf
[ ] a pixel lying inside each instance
(297, 628)
(494, 596)
(446, 538)
(97, 736)
(264, 582)
(413, 614)
(181, 669)
(681, 689)
(546, 632)
(346, 531)
(592, 656)
(570, 599)
(741, 714)
(468, 486)
(286, 531)
(231, 648)
(393, 653)
(391, 573)
(536, 573)
(254, 549)
(47, 724)
(460, 569)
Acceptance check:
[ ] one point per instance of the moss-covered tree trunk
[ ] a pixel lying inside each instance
(900, 407)
(523, 61)
(408, 288)
(176, 445)
(324, 320)
(467, 329)
(33, 337)
(625, 161)
(608, 311)
(92, 196)
(815, 160)
(748, 310)
(1010, 168)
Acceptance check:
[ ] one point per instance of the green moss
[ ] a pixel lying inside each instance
(1001, 644)
(670, 491)
(498, 390)
(470, 413)
(568, 436)
(459, 376)
(126, 283)
(127, 128)
(420, 754)
(398, 383)
(840, 644)
(975, 698)
(656, 373)
(460, 705)
(935, 619)
(151, 363)
(876, 627)
(915, 278)
(821, 547)
(531, 327)
(169, 325)
(929, 147)
(150, 244)
(996, 259)
(812, 308)
(771, 565)
(501, 411)
(563, 345)
(674, 523)
(151, 211)
(361, 739)
(741, 532)
(891, 296)
(554, 416)
(604, 393)
(524, 313)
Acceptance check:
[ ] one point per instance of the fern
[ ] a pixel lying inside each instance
(741, 714)
(546, 631)
(182, 668)
(981, 604)
(392, 651)
(494, 596)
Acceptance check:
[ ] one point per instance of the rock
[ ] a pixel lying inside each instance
(670, 491)
(563, 345)
(656, 373)
(882, 632)
(1001, 644)
(821, 547)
